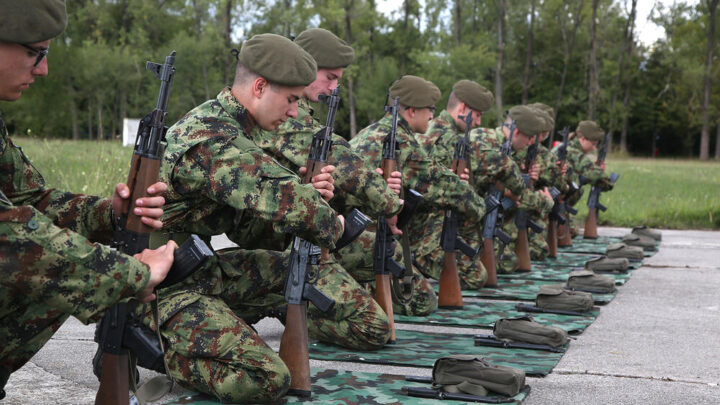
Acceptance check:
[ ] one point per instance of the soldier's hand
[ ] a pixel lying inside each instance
(148, 208)
(394, 181)
(602, 165)
(546, 193)
(563, 168)
(323, 182)
(465, 175)
(392, 224)
(159, 260)
(534, 172)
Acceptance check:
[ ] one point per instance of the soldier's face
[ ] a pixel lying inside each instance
(17, 70)
(420, 118)
(276, 104)
(520, 141)
(587, 145)
(325, 82)
(476, 118)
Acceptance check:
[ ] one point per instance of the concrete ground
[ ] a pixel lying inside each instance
(657, 342)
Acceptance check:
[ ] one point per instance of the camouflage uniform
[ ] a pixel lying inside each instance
(441, 189)
(355, 185)
(579, 164)
(530, 200)
(220, 181)
(50, 270)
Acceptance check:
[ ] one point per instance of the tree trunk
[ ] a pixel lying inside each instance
(351, 96)
(498, 69)
(628, 37)
(593, 89)
(528, 54)
(569, 42)
(705, 133)
(458, 23)
(100, 131)
(73, 110)
(90, 120)
(227, 31)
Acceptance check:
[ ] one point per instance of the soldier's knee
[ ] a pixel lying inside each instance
(259, 386)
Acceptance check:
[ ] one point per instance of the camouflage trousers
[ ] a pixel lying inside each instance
(211, 349)
(538, 246)
(429, 255)
(357, 259)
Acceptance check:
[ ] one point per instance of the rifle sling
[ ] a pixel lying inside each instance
(403, 290)
(156, 387)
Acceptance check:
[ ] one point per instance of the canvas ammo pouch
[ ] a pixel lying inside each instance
(555, 297)
(608, 264)
(622, 250)
(469, 374)
(644, 242)
(588, 280)
(643, 230)
(525, 329)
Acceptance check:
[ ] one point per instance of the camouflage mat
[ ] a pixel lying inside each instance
(560, 274)
(484, 315)
(523, 290)
(565, 260)
(601, 240)
(421, 349)
(351, 387)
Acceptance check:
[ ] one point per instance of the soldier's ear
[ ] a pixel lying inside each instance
(260, 86)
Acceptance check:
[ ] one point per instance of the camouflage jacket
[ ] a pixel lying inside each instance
(550, 174)
(219, 181)
(44, 252)
(440, 187)
(290, 145)
(579, 164)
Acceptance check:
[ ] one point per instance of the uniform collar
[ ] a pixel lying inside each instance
(236, 110)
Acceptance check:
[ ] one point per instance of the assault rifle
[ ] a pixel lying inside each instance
(120, 332)
(557, 215)
(299, 284)
(522, 217)
(449, 294)
(493, 218)
(593, 201)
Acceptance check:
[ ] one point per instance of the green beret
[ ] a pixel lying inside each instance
(30, 21)
(474, 95)
(527, 120)
(544, 107)
(590, 130)
(415, 91)
(328, 50)
(278, 59)
(543, 115)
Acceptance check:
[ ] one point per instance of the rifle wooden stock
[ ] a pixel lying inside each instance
(591, 224)
(143, 173)
(487, 257)
(388, 166)
(294, 349)
(564, 236)
(313, 169)
(449, 294)
(114, 383)
(552, 238)
(383, 296)
(522, 250)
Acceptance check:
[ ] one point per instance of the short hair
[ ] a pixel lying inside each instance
(244, 76)
(453, 101)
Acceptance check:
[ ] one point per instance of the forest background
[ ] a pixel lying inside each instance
(582, 57)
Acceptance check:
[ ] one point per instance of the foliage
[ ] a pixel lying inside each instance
(98, 77)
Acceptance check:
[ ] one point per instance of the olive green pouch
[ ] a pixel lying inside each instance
(643, 230)
(474, 375)
(587, 280)
(619, 264)
(615, 250)
(644, 242)
(555, 297)
(525, 329)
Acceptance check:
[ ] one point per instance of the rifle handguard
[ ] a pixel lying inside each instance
(188, 258)
(355, 224)
(411, 201)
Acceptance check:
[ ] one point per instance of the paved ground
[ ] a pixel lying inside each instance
(657, 342)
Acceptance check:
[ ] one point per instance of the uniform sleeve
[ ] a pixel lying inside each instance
(491, 166)
(62, 269)
(594, 173)
(255, 184)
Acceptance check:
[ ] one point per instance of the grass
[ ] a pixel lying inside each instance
(662, 193)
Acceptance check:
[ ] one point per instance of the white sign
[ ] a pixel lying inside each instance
(130, 128)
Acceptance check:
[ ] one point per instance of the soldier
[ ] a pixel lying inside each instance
(355, 182)
(467, 97)
(441, 188)
(580, 169)
(47, 237)
(219, 181)
(527, 123)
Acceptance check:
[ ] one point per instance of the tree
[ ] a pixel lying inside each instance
(705, 133)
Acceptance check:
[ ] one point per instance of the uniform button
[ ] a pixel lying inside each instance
(32, 225)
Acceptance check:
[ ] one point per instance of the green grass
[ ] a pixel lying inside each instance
(87, 167)
(661, 193)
